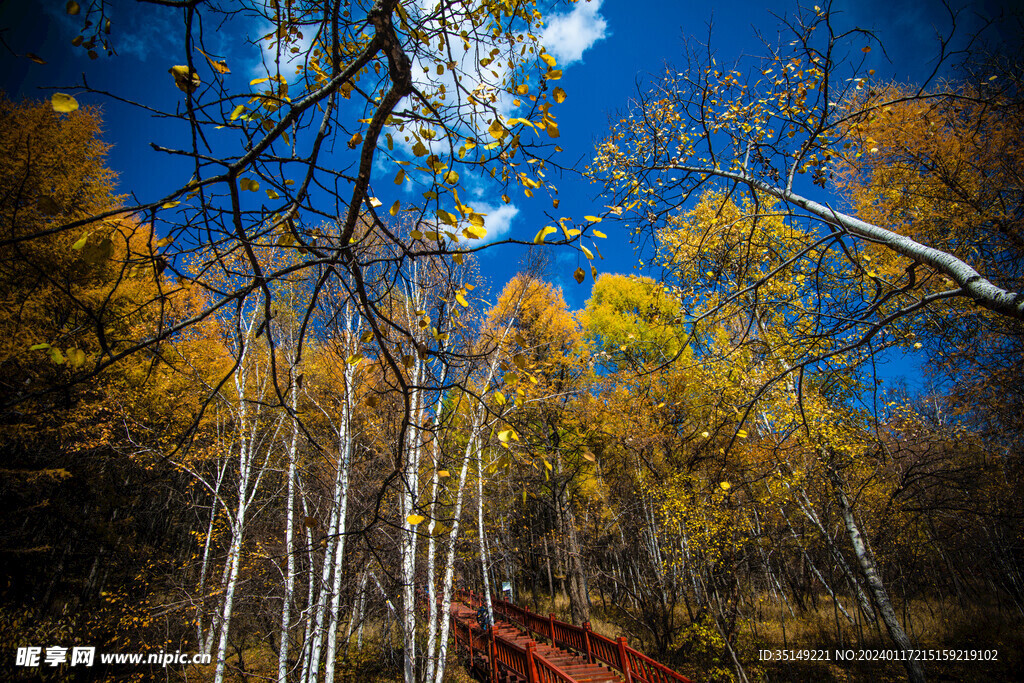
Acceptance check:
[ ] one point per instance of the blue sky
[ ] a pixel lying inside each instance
(607, 50)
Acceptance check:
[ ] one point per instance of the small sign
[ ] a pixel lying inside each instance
(506, 586)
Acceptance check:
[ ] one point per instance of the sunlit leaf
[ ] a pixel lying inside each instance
(415, 519)
(186, 79)
(558, 95)
(63, 103)
(542, 233)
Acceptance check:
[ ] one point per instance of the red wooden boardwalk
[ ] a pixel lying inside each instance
(566, 653)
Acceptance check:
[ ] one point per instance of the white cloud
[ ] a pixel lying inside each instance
(498, 220)
(567, 36)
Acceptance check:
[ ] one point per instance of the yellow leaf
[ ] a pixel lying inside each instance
(443, 473)
(579, 275)
(742, 433)
(354, 141)
(374, 202)
(63, 103)
(503, 436)
(586, 251)
(523, 89)
(76, 358)
(164, 241)
(220, 66)
(589, 456)
(598, 233)
(394, 208)
(866, 49)
(419, 149)
(415, 519)
(497, 130)
(474, 232)
(549, 60)
(416, 234)
(77, 246)
(544, 232)
(186, 79)
(559, 95)
(499, 398)
(400, 176)
(592, 219)
(170, 205)
(354, 358)
(451, 177)
(237, 111)
(725, 485)
(272, 194)
(553, 75)
(462, 300)
(553, 130)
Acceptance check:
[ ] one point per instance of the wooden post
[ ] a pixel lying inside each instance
(493, 654)
(624, 658)
(586, 641)
(551, 625)
(531, 663)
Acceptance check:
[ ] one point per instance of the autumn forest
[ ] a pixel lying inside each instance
(286, 412)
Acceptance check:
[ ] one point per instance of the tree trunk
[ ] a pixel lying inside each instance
(874, 580)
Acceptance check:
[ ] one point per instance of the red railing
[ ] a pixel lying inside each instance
(635, 666)
(500, 655)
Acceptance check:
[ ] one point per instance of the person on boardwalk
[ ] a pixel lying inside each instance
(483, 618)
